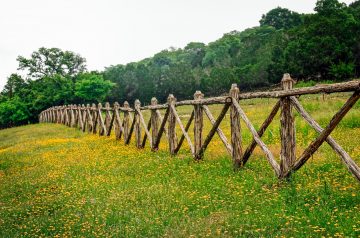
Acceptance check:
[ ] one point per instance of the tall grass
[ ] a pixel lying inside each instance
(59, 182)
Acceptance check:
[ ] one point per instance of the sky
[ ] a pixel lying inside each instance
(111, 32)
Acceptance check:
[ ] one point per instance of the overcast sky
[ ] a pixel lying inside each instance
(110, 32)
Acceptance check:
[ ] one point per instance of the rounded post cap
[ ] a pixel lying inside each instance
(234, 90)
(171, 98)
(286, 77)
(154, 101)
(198, 95)
(137, 103)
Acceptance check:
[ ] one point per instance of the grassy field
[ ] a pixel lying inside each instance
(56, 181)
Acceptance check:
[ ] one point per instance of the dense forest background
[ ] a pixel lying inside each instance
(320, 46)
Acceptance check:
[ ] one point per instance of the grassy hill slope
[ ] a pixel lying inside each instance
(59, 182)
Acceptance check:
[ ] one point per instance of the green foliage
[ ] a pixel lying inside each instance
(324, 47)
(281, 18)
(13, 85)
(47, 62)
(92, 87)
(13, 112)
(342, 71)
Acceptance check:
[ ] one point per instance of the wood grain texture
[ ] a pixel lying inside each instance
(235, 128)
(198, 125)
(287, 131)
(172, 138)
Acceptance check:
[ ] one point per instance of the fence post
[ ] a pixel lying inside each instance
(137, 124)
(94, 117)
(100, 120)
(72, 115)
(235, 129)
(126, 122)
(171, 126)
(89, 118)
(107, 115)
(198, 126)
(154, 123)
(287, 133)
(67, 115)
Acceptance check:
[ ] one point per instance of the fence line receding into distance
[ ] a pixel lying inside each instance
(104, 120)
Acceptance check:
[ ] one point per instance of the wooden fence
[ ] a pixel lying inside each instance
(104, 120)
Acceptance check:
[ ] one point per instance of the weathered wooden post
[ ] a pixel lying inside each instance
(94, 115)
(102, 129)
(287, 133)
(51, 114)
(126, 122)
(83, 117)
(72, 115)
(76, 115)
(235, 129)
(63, 115)
(154, 123)
(58, 114)
(67, 115)
(107, 115)
(198, 126)
(117, 122)
(171, 126)
(89, 117)
(137, 124)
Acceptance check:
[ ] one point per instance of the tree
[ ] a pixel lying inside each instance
(13, 85)
(281, 18)
(47, 62)
(92, 87)
(13, 112)
(328, 7)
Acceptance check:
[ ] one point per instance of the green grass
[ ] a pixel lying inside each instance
(59, 182)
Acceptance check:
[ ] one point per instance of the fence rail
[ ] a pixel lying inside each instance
(104, 120)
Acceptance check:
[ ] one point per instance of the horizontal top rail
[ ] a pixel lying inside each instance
(325, 88)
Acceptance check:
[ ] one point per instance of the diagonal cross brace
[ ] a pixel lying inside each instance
(172, 108)
(345, 157)
(256, 137)
(310, 150)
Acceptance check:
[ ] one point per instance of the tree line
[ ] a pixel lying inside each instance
(324, 45)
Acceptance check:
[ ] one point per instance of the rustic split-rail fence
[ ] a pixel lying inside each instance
(104, 120)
